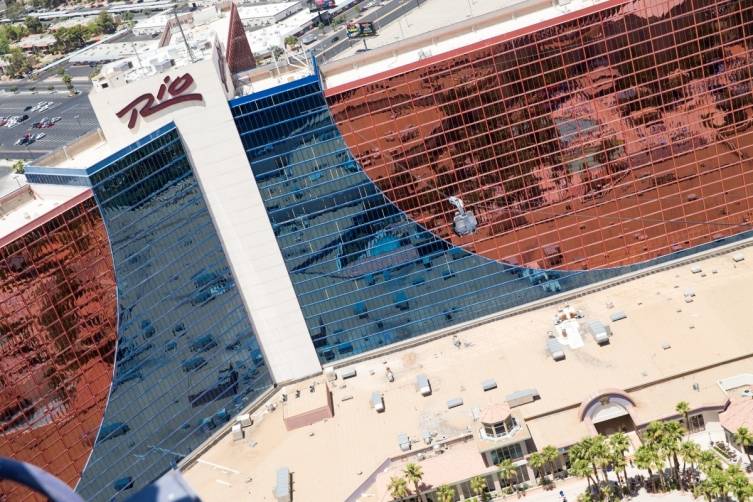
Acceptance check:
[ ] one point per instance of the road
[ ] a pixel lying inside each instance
(65, 131)
(337, 41)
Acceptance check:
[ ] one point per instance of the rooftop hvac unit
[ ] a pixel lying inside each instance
(161, 65)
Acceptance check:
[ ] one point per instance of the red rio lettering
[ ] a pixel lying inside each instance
(151, 105)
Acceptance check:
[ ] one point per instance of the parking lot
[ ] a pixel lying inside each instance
(77, 119)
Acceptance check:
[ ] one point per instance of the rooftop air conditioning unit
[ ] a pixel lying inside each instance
(161, 65)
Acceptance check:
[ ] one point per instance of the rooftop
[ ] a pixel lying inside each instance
(81, 153)
(740, 411)
(29, 204)
(115, 51)
(34, 41)
(666, 350)
(431, 30)
(264, 10)
(264, 39)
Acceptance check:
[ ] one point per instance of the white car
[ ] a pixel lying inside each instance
(39, 136)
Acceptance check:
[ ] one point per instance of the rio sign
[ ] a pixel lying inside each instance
(151, 104)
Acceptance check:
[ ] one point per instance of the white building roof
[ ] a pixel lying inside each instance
(115, 51)
(263, 10)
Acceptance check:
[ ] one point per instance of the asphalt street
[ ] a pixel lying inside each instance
(62, 133)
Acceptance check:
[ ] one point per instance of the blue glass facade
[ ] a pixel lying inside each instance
(365, 274)
(187, 359)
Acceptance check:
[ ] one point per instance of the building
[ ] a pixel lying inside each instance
(265, 223)
(254, 15)
(36, 43)
(498, 394)
(267, 14)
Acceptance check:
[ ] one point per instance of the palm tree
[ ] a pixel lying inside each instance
(585, 497)
(647, 458)
(600, 454)
(414, 474)
(709, 462)
(672, 434)
(584, 450)
(398, 488)
(683, 408)
(619, 464)
(507, 471)
(536, 461)
(744, 438)
(620, 443)
(690, 453)
(715, 485)
(581, 469)
(738, 484)
(550, 454)
(478, 487)
(445, 494)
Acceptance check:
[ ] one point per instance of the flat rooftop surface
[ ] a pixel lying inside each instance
(657, 354)
(429, 16)
(30, 202)
(437, 27)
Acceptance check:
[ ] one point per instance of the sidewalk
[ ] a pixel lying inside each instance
(575, 486)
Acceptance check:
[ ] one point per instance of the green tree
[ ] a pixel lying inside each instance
(683, 408)
(581, 469)
(647, 458)
(738, 484)
(291, 41)
(105, 23)
(550, 455)
(478, 487)
(68, 81)
(537, 462)
(714, 486)
(414, 474)
(586, 451)
(619, 443)
(690, 453)
(744, 438)
(18, 167)
(398, 488)
(69, 39)
(127, 19)
(709, 462)
(671, 440)
(14, 10)
(18, 63)
(33, 24)
(445, 494)
(599, 452)
(4, 44)
(585, 497)
(277, 51)
(507, 471)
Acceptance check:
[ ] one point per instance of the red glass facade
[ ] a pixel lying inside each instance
(607, 137)
(57, 340)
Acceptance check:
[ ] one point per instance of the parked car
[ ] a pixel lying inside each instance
(28, 108)
(39, 136)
